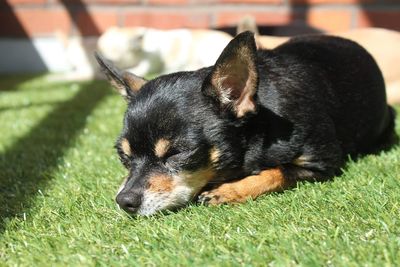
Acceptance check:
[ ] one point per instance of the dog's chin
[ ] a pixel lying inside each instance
(154, 202)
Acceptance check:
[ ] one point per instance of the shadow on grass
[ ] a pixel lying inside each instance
(28, 165)
(30, 105)
(12, 82)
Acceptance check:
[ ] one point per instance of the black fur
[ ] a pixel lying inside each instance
(317, 96)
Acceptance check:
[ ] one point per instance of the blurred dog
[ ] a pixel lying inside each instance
(145, 51)
(382, 44)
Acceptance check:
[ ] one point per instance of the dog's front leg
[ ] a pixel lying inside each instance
(271, 180)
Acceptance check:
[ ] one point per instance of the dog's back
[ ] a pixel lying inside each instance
(333, 93)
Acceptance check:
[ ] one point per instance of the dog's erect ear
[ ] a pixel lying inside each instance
(234, 79)
(126, 83)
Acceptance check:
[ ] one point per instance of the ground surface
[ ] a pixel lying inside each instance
(59, 173)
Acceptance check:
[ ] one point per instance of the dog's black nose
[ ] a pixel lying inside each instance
(128, 202)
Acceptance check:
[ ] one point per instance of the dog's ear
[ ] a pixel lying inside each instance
(126, 83)
(234, 79)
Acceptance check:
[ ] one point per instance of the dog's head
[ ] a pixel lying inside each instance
(180, 130)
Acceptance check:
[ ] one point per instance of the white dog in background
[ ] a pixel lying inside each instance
(145, 51)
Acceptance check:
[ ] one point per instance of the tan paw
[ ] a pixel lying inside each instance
(221, 195)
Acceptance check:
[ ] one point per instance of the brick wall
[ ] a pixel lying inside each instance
(91, 17)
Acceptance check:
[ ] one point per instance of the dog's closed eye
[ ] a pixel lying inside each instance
(172, 154)
(178, 158)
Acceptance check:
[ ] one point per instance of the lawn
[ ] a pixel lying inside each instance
(59, 174)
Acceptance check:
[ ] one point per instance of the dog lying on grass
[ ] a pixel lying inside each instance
(255, 122)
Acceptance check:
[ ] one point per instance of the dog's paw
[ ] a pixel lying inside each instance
(208, 198)
(221, 195)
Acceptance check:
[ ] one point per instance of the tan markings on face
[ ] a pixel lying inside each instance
(166, 192)
(161, 147)
(161, 183)
(126, 147)
(197, 179)
(301, 161)
(214, 154)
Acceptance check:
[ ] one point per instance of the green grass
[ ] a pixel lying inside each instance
(59, 174)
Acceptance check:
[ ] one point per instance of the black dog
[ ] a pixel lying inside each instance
(255, 122)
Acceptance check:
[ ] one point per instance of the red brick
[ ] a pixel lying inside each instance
(329, 20)
(262, 18)
(31, 22)
(252, 1)
(17, 2)
(95, 23)
(111, 2)
(168, 20)
(167, 2)
(312, 2)
(386, 19)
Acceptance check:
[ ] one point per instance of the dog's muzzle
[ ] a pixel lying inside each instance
(129, 201)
